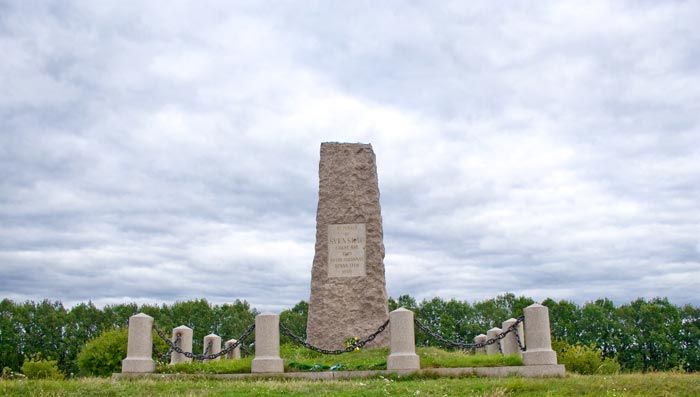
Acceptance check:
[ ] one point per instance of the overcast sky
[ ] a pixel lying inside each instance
(153, 152)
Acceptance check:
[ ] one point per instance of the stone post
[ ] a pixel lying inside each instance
(185, 344)
(267, 344)
(215, 341)
(510, 342)
(403, 341)
(493, 348)
(537, 336)
(480, 339)
(236, 352)
(139, 351)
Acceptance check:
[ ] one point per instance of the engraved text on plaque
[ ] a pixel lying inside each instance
(346, 250)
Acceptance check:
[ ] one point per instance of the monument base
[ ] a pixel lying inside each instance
(138, 365)
(403, 361)
(540, 357)
(267, 365)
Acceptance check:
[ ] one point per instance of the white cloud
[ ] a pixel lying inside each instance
(156, 154)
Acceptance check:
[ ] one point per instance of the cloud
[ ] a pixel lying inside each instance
(160, 153)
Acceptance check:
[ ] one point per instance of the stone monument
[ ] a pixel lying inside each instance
(348, 290)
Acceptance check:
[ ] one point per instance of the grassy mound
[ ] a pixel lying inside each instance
(299, 359)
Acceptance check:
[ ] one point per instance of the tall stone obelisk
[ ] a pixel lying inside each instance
(348, 289)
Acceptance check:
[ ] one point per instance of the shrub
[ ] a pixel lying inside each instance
(103, 355)
(38, 368)
(587, 360)
(609, 366)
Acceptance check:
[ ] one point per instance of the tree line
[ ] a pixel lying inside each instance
(643, 335)
(49, 329)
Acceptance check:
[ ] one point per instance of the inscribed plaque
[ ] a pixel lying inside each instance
(346, 250)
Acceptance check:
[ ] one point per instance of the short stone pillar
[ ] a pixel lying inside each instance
(214, 341)
(538, 340)
(509, 344)
(236, 352)
(481, 338)
(494, 348)
(139, 351)
(403, 341)
(267, 344)
(183, 333)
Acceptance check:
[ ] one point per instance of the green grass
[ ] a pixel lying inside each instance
(299, 359)
(432, 357)
(652, 384)
(213, 367)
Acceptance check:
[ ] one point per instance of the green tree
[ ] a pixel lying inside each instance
(452, 319)
(83, 322)
(649, 337)
(41, 327)
(295, 319)
(564, 318)
(406, 301)
(690, 337)
(10, 336)
(117, 316)
(231, 320)
(492, 312)
(600, 326)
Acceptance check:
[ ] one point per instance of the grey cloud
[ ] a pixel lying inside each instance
(158, 153)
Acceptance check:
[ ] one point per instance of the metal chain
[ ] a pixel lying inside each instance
(471, 346)
(358, 344)
(517, 339)
(205, 356)
(157, 353)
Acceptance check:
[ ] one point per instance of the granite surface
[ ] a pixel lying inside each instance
(346, 307)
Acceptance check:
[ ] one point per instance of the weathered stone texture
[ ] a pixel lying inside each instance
(139, 349)
(481, 338)
(494, 348)
(185, 333)
(538, 339)
(234, 354)
(267, 344)
(345, 307)
(510, 342)
(403, 341)
(215, 341)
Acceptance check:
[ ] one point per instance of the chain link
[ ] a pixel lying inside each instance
(358, 344)
(517, 339)
(205, 356)
(473, 346)
(163, 358)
